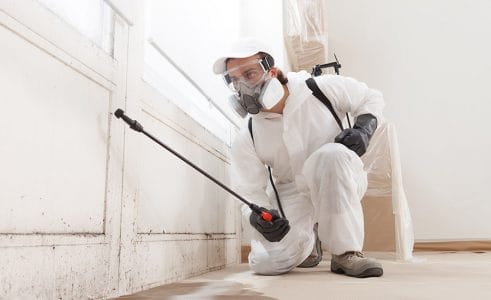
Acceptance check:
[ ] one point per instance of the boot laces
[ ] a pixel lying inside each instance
(354, 254)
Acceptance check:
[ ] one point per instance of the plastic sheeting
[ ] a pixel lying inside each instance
(382, 163)
(305, 33)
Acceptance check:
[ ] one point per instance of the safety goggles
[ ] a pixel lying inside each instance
(252, 74)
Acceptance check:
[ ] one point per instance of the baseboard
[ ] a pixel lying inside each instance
(453, 246)
(421, 246)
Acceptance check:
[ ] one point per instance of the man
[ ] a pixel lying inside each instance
(319, 176)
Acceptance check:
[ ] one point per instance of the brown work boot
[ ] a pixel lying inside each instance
(354, 264)
(316, 256)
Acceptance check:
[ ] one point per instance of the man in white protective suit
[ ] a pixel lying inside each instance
(319, 178)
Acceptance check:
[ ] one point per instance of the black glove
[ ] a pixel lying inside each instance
(273, 231)
(357, 138)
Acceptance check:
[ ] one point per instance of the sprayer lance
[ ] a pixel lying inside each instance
(119, 113)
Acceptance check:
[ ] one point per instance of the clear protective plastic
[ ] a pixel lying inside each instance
(305, 33)
(382, 163)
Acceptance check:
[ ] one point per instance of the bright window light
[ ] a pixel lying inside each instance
(172, 84)
(92, 18)
(181, 46)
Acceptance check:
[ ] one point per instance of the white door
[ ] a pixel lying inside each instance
(60, 149)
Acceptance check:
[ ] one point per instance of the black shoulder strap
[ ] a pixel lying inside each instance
(249, 125)
(320, 95)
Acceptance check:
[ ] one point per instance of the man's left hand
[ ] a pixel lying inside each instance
(354, 139)
(357, 138)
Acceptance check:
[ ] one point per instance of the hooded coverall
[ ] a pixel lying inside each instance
(317, 180)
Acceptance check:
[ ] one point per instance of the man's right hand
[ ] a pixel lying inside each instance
(274, 230)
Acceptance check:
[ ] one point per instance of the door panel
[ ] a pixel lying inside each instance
(55, 113)
(60, 157)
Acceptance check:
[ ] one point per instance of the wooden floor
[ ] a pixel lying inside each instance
(432, 275)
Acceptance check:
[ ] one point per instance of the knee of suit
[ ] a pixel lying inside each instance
(333, 153)
(280, 258)
(330, 158)
(269, 265)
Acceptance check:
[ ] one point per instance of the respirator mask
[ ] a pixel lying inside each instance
(253, 87)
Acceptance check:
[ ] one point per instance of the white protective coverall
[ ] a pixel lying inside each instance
(317, 180)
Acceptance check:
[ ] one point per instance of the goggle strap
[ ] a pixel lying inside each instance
(267, 62)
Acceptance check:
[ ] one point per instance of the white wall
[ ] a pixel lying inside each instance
(432, 61)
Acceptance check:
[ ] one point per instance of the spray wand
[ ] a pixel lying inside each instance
(119, 113)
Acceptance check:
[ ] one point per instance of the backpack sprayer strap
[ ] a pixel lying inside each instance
(316, 91)
(317, 71)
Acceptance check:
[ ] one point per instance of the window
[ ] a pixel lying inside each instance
(92, 18)
(179, 54)
(162, 74)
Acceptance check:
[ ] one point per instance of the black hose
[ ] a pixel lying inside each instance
(276, 193)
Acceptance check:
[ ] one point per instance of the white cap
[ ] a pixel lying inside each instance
(244, 47)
